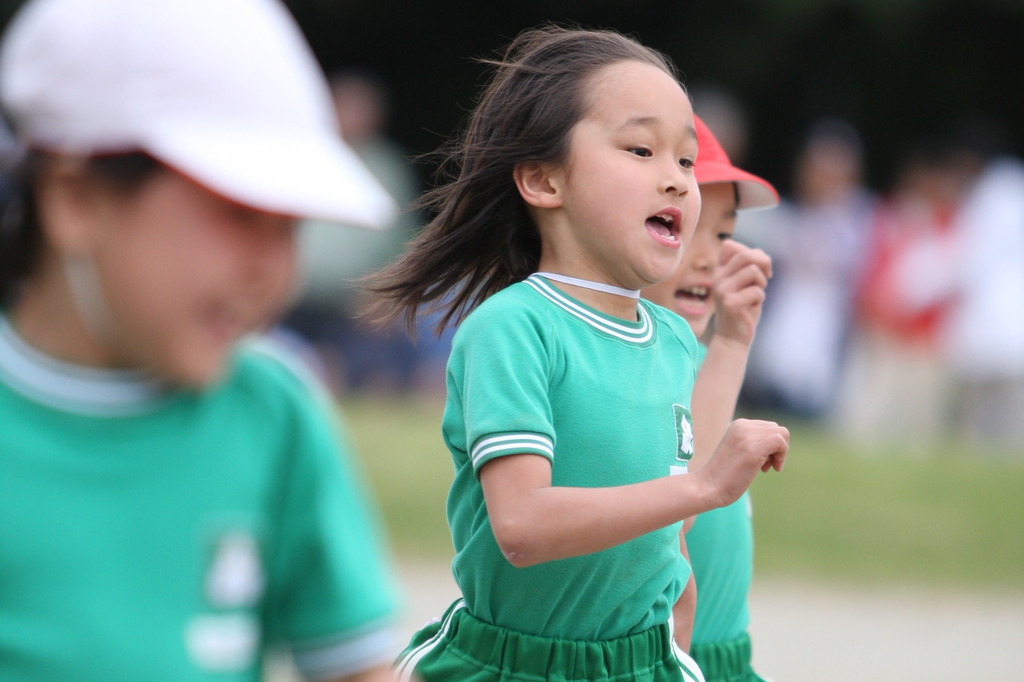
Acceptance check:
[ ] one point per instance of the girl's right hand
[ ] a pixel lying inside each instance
(749, 446)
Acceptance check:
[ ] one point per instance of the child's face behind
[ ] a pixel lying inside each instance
(689, 292)
(185, 274)
(627, 199)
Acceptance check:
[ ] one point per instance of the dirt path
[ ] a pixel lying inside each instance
(820, 633)
(811, 633)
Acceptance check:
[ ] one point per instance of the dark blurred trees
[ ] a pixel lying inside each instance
(893, 68)
(896, 69)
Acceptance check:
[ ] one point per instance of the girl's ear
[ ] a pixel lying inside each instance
(537, 185)
(66, 206)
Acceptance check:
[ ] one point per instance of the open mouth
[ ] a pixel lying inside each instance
(693, 294)
(665, 224)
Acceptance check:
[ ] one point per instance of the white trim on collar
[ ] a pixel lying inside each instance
(639, 332)
(74, 388)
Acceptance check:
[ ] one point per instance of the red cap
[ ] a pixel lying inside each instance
(713, 165)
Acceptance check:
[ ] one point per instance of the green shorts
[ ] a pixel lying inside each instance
(726, 661)
(462, 647)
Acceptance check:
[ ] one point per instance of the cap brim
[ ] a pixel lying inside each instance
(306, 176)
(754, 192)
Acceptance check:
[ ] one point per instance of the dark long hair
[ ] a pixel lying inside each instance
(482, 238)
(21, 236)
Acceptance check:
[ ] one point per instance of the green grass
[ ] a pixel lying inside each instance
(399, 443)
(956, 517)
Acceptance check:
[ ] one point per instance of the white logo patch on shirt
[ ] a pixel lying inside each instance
(684, 438)
(235, 575)
(223, 641)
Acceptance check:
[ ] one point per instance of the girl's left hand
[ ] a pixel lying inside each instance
(739, 288)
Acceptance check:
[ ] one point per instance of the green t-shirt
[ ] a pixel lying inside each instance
(721, 548)
(170, 536)
(533, 370)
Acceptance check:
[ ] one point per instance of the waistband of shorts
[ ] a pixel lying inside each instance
(729, 660)
(610, 660)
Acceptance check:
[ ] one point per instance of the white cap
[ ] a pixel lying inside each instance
(227, 92)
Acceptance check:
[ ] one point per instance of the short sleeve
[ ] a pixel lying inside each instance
(332, 597)
(502, 364)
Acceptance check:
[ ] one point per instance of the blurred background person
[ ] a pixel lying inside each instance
(816, 240)
(896, 387)
(726, 114)
(983, 336)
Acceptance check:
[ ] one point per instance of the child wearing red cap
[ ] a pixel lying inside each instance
(721, 278)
